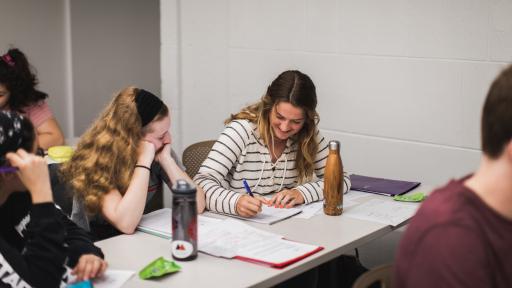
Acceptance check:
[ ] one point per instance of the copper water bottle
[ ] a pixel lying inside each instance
(333, 181)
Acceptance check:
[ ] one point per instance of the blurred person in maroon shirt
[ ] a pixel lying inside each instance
(462, 234)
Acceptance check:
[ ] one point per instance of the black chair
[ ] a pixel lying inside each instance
(380, 275)
(62, 195)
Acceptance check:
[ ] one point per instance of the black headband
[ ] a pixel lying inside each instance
(148, 106)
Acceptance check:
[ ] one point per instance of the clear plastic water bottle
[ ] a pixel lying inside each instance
(184, 221)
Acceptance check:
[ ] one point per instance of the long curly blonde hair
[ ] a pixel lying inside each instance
(296, 88)
(107, 152)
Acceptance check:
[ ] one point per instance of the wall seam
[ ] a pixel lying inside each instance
(68, 56)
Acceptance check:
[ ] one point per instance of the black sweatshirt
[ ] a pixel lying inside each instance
(36, 242)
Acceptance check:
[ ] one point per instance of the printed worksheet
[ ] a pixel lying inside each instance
(158, 223)
(235, 239)
(383, 211)
(113, 279)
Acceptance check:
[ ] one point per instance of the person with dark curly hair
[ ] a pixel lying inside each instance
(18, 93)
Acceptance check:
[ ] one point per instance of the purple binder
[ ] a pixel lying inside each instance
(382, 186)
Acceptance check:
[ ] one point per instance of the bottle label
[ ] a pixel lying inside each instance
(182, 249)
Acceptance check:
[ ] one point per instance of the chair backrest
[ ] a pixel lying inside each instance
(194, 155)
(62, 195)
(380, 274)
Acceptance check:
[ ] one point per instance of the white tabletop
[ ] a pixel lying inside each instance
(337, 234)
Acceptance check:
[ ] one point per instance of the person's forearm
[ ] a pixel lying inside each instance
(48, 139)
(174, 173)
(49, 134)
(200, 199)
(128, 211)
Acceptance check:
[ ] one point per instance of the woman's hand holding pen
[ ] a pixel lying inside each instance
(286, 198)
(248, 206)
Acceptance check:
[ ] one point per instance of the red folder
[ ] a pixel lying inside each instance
(280, 264)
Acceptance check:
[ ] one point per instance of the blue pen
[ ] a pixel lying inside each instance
(247, 188)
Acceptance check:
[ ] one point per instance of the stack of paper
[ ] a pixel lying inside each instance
(383, 211)
(231, 238)
(234, 239)
(158, 223)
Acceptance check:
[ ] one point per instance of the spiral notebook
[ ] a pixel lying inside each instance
(268, 215)
(381, 186)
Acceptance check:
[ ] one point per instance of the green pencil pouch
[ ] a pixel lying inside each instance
(415, 197)
(158, 267)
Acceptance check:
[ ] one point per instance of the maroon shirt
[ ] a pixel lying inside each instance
(455, 240)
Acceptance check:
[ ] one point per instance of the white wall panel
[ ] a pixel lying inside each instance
(402, 98)
(169, 22)
(373, 27)
(454, 29)
(321, 27)
(268, 24)
(396, 159)
(204, 23)
(500, 39)
(402, 82)
(250, 73)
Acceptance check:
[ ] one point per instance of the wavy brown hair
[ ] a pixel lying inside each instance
(296, 88)
(107, 152)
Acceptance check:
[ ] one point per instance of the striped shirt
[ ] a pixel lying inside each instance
(38, 113)
(239, 154)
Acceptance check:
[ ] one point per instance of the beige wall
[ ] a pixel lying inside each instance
(37, 28)
(115, 43)
(105, 45)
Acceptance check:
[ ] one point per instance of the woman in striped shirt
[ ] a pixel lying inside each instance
(275, 146)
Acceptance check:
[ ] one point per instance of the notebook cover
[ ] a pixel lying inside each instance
(282, 264)
(383, 186)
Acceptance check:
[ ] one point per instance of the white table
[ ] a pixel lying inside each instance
(337, 234)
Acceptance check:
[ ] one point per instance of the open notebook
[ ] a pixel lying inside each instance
(230, 238)
(268, 215)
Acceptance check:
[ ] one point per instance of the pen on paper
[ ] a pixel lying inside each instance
(247, 188)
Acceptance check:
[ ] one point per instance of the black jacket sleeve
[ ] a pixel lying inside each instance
(78, 240)
(41, 264)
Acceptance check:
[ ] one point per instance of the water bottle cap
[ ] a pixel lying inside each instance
(334, 145)
(182, 184)
(183, 187)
